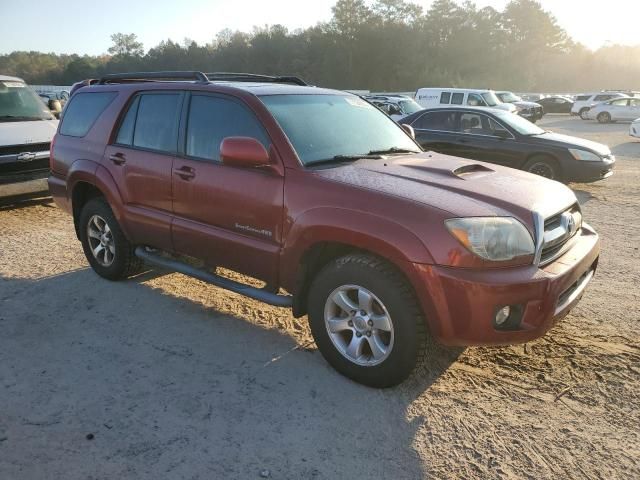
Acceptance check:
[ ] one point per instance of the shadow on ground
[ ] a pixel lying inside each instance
(168, 388)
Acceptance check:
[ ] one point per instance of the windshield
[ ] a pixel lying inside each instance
(322, 127)
(491, 99)
(19, 103)
(519, 124)
(508, 97)
(410, 106)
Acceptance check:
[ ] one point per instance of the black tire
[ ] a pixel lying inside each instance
(391, 288)
(583, 113)
(124, 262)
(544, 166)
(604, 117)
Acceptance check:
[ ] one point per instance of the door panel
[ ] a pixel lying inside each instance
(227, 216)
(144, 179)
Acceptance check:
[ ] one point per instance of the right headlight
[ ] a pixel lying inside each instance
(492, 238)
(584, 155)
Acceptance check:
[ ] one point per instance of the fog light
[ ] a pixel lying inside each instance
(502, 315)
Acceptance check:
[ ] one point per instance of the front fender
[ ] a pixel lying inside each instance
(359, 229)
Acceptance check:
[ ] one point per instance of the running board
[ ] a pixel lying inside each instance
(222, 282)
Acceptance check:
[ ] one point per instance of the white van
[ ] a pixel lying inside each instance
(444, 97)
(27, 127)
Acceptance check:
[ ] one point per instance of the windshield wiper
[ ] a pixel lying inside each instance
(392, 150)
(346, 158)
(19, 117)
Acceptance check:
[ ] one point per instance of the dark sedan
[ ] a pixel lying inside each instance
(496, 136)
(556, 104)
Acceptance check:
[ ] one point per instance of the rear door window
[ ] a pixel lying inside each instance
(445, 97)
(156, 126)
(83, 111)
(211, 119)
(457, 98)
(437, 121)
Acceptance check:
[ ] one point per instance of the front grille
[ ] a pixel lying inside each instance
(28, 147)
(559, 231)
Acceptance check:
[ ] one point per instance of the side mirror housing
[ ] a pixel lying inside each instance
(243, 152)
(409, 129)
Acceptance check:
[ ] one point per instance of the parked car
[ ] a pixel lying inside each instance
(530, 110)
(396, 106)
(584, 102)
(614, 110)
(556, 104)
(634, 129)
(445, 97)
(500, 137)
(532, 97)
(342, 215)
(26, 129)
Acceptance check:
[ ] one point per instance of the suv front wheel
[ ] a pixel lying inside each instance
(366, 320)
(107, 249)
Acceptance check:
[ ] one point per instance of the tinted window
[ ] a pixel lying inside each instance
(600, 98)
(442, 121)
(125, 134)
(445, 97)
(635, 102)
(583, 98)
(457, 98)
(212, 119)
(82, 112)
(157, 122)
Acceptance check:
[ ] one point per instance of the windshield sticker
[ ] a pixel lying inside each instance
(357, 102)
(13, 84)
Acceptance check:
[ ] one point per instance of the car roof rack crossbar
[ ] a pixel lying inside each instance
(254, 77)
(153, 76)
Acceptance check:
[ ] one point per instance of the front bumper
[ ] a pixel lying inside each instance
(460, 304)
(581, 171)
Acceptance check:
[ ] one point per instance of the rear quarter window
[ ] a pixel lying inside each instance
(83, 111)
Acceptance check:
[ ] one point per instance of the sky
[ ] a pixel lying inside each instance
(82, 27)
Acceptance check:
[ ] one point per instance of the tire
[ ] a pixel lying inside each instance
(583, 113)
(116, 260)
(399, 343)
(604, 117)
(544, 166)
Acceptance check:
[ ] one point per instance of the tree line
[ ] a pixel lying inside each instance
(384, 45)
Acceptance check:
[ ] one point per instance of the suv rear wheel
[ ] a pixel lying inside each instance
(366, 320)
(108, 251)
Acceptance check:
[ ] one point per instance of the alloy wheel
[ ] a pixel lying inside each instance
(359, 325)
(101, 240)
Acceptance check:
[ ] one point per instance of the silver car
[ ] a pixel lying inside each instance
(627, 108)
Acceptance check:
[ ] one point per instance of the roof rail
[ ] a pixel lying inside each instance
(254, 77)
(153, 76)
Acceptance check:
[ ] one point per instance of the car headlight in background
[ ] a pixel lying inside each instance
(492, 238)
(584, 155)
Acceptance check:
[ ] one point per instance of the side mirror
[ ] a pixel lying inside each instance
(243, 152)
(409, 129)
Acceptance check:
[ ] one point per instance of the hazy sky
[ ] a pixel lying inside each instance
(75, 26)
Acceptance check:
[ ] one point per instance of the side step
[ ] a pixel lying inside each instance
(237, 287)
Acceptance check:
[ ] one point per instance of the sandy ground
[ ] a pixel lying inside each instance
(162, 376)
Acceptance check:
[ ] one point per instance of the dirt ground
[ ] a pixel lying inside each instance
(163, 376)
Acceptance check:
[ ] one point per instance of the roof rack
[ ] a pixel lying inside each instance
(254, 77)
(153, 76)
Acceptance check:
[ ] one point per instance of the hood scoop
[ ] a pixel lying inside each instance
(472, 170)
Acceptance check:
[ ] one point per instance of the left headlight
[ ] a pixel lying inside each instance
(584, 155)
(492, 238)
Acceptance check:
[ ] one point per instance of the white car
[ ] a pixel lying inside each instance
(396, 106)
(27, 127)
(634, 129)
(585, 101)
(445, 97)
(614, 110)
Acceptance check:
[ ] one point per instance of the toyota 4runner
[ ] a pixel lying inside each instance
(326, 200)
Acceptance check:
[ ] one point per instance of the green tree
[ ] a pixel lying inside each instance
(126, 45)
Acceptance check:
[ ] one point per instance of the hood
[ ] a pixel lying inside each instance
(509, 107)
(523, 104)
(463, 188)
(20, 133)
(572, 142)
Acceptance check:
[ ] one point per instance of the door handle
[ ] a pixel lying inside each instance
(118, 158)
(186, 173)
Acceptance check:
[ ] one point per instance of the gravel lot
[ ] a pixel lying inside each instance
(163, 376)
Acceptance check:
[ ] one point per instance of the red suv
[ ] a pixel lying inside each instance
(326, 200)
